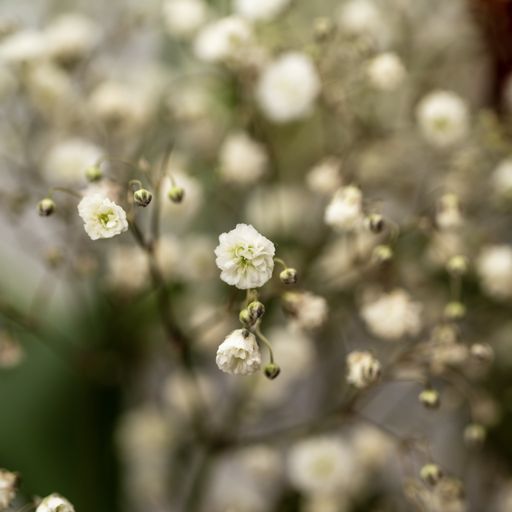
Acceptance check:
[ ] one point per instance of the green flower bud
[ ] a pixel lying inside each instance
(271, 371)
(288, 276)
(382, 253)
(176, 194)
(256, 310)
(245, 318)
(430, 398)
(93, 173)
(474, 434)
(431, 473)
(375, 223)
(46, 207)
(142, 197)
(457, 265)
(455, 310)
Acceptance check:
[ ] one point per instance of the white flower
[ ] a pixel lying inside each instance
(25, 46)
(363, 369)
(392, 315)
(501, 178)
(102, 217)
(223, 39)
(242, 159)
(288, 87)
(262, 10)
(245, 257)
(68, 160)
(71, 36)
(325, 176)
(239, 353)
(8, 482)
(127, 268)
(371, 446)
(320, 466)
(345, 211)
(55, 503)
(443, 118)
(494, 267)
(183, 17)
(308, 310)
(386, 71)
(360, 17)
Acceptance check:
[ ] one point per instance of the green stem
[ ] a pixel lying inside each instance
(267, 343)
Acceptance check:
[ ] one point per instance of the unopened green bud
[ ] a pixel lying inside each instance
(245, 318)
(457, 265)
(375, 223)
(431, 473)
(455, 310)
(271, 371)
(256, 310)
(46, 207)
(288, 276)
(176, 194)
(474, 434)
(142, 197)
(93, 173)
(430, 398)
(382, 253)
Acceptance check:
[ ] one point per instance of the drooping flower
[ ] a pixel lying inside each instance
(55, 503)
(443, 118)
(245, 257)
(345, 211)
(102, 217)
(288, 87)
(262, 10)
(363, 369)
(239, 353)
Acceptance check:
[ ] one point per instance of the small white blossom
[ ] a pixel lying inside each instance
(324, 177)
(449, 215)
(245, 257)
(239, 353)
(127, 268)
(262, 10)
(360, 17)
(345, 211)
(386, 71)
(363, 369)
(288, 87)
(183, 17)
(8, 482)
(223, 39)
(23, 47)
(494, 267)
(242, 159)
(392, 315)
(102, 217)
(320, 466)
(308, 310)
(501, 178)
(443, 118)
(55, 503)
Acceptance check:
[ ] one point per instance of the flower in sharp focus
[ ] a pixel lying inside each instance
(288, 87)
(363, 369)
(102, 217)
(443, 118)
(183, 17)
(392, 315)
(321, 465)
(494, 267)
(345, 211)
(242, 159)
(262, 10)
(8, 483)
(55, 503)
(386, 71)
(245, 257)
(239, 353)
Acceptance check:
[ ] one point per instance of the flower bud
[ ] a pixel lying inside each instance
(256, 310)
(288, 276)
(457, 265)
(430, 398)
(482, 352)
(455, 310)
(271, 371)
(176, 194)
(245, 318)
(323, 28)
(382, 253)
(142, 197)
(55, 503)
(8, 486)
(375, 223)
(474, 434)
(431, 474)
(93, 173)
(46, 207)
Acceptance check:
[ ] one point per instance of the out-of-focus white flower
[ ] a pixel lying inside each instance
(185, 394)
(198, 265)
(443, 118)
(245, 257)
(183, 17)
(127, 268)
(363, 369)
(320, 466)
(262, 10)
(288, 87)
(55, 503)
(8, 483)
(449, 215)
(308, 310)
(345, 211)
(239, 353)
(386, 71)
(326, 503)
(102, 217)
(23, 47)
(325, 177)
(371, 446)
(119, 105)
(242, 159)
(168, 254)
(223, 39)
(494, 267)
(71, 36)
(501, 178)
(392, 315)
(360, 17)
(68, 160)
(263, 462)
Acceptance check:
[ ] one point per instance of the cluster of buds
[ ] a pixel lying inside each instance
(252, 314)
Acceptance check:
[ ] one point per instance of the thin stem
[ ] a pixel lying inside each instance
(265, 340)
(73, 193)
(281, 262)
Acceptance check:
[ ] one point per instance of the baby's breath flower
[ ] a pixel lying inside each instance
(324, 177)
(23, 47)
(8, 484)
(501, 178)
(345, 210)
(102, 217)
(55, 503)
(494, 267)
(239, 353)
(183, 17)
(288, 87)
(363, 369)
(308, 310)
(245, 257)
(386, 71)
(262, 10)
